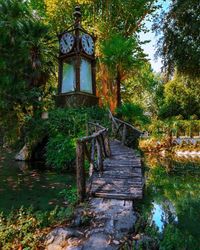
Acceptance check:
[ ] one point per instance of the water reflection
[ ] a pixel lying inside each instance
(173, 201)
(163, 215)
(29, 184)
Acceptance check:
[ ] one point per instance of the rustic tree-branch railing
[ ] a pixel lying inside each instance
(123, 129)
(95, 148)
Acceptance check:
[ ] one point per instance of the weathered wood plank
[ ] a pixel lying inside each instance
(122, 175)
(119, 196)
(80, 172)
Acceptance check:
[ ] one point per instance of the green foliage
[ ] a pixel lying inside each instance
(145, 88)
(133, 113)
(26, 63)
(101, 16)
(181, 97)
(62, 128)
(175, 190)
(25, 228)
(175, 126)
(121, 53)
(180, 42)
(60, 151)
(70, 195)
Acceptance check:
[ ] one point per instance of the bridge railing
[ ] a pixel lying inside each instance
(123, 129)
(95, 147)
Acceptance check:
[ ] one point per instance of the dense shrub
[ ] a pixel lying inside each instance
(62, 128)
(175, 126)
(60, 151)
(133, 113)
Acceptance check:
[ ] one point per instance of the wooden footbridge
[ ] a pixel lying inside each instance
(115, 171)
(115, 181)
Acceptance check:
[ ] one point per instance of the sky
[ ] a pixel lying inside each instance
(150, 48)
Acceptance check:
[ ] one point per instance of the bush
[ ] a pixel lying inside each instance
(133, 113)
(62, 129)
(25, 229)
(60, 151)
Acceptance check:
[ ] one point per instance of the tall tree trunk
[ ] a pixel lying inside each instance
(118, 82)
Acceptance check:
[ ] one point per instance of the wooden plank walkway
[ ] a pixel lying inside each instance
(111, 206)
(122, 175)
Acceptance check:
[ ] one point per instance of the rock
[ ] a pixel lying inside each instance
(116, 242)
(54, 247)
(73, 241)
(50, 239)
(136, 237)
(98, 241)
(78, 220)
(45, 115)
(59, 238)
(74, 248)
(110, 221)
(24, 154)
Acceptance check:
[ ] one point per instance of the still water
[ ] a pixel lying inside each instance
(171, 205)
(29, 184)
(172, 201)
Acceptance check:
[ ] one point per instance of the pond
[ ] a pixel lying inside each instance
(171, 205)
(29, 184)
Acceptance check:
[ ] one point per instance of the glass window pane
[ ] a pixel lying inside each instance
(69, 79)
(86, 76)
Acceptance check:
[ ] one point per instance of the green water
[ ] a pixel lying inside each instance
(172, 202)
(171, 206)
(29, 184)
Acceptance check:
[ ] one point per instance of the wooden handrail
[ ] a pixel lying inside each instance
(128, 125)
(97, 125)
(95, 148)
(90, 137)
(121, 127)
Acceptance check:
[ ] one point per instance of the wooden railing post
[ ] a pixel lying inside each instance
(92, 156)
(124, 134)
(80, 171)
(99, 155)
(107, 144)
(95, 148)
(118, 124)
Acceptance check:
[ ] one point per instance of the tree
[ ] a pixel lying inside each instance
(181, 97)
(180, 42)
(26, 61)
(145, 88)
(120, 55)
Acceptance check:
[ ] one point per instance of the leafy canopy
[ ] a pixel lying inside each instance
(180, 43)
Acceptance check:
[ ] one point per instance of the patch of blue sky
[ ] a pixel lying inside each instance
(150, 48)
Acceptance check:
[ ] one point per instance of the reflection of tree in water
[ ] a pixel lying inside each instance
(174, 164)
(169, 215)
(175, 187)
(185, 233)
(24, 184)
(189, 217)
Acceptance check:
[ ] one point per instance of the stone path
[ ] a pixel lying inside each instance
(110, 215)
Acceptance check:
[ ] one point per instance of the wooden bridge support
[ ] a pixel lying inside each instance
(95, 148)
(80, 171)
